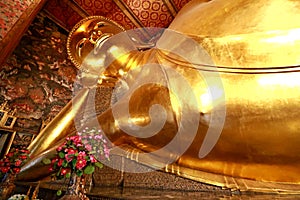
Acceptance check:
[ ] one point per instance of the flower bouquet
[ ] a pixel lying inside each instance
(10, 166)
(12, 162)
(78, 155)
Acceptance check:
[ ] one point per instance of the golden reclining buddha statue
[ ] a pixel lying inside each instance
(215, 99)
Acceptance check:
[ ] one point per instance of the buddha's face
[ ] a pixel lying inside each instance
(88, 34)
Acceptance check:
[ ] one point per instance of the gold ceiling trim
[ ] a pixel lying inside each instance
(129, 13)
(171, 6)
(74, 5)
(133, 18)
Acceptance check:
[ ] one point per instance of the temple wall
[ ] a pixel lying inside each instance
(37, 78)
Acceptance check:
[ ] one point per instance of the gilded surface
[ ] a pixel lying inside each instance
(258, 148)
(89, 33)
(243, 33)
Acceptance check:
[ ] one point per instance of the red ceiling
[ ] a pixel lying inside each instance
(62, 13)
(144, 13)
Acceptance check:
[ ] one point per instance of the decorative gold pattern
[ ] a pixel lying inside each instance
(129, 13)
(133, 18)
(171, 6)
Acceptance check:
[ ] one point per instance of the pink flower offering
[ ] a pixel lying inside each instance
(13, 161)
(79, 154)
(80, 163)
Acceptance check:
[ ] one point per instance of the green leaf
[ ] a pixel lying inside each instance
(58, 173)
(64, 163)
(61, 154)
(99, 164)
(59, 192)
(79, 173)
(73, 163)
(68, 175)
(46, 161)
(89, 169)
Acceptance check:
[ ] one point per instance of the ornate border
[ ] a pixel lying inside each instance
(13, 36)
